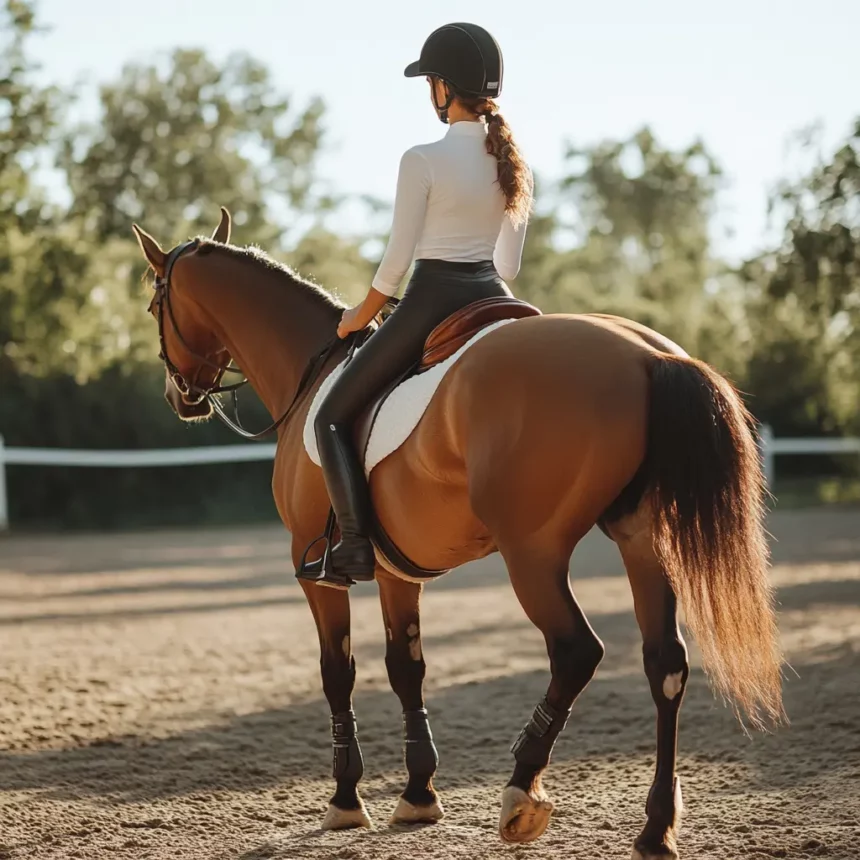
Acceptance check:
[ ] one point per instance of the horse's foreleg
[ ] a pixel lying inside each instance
(330, 609)
(667, 670)
(540, 580)
(404, 660)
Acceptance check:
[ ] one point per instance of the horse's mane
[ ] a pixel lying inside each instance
(259, 258)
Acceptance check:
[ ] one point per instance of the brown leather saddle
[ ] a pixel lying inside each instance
(451, 334)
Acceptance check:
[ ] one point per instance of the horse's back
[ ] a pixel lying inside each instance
(614, 332)
(626, 327)
(556, 367)
(592, 345)
(536, 417)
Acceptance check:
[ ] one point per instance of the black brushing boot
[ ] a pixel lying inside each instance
(352, 559)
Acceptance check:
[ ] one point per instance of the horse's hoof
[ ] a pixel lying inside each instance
(409, 813)
(664, 852)
(524, 818)
(344, 819)
(659, 839)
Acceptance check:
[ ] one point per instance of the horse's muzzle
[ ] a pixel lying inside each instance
(187, 408)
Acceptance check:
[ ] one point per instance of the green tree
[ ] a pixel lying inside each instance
(804, 300)
(32, 254)
(627, 232)
(642, 215)
(173, 141)
(78, 366)
(335, 262)
(47, 319)
(177, 139)
(28, 115)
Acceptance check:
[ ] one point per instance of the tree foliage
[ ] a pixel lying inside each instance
(626, 231)
(175, 140)
(643, 213)
(28, 114)
(805, 300)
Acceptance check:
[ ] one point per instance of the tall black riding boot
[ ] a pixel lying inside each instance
(353, 558)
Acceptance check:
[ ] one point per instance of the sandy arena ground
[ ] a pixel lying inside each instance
(160, 698)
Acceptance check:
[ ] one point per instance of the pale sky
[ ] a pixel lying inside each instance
(742, 74)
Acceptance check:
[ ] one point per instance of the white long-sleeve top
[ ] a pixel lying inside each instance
(449, 206)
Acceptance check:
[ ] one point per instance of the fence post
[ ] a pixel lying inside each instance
(767, 454)
(4, 501)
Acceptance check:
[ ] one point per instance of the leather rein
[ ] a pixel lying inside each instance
(187, 389)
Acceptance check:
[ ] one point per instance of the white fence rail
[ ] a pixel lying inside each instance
(122, 459)
(788, 445)
(771, 447)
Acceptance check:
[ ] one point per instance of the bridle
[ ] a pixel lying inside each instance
(160, 301)
(188, 389)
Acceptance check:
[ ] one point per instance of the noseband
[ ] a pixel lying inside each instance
(161, 301)
(187, 389)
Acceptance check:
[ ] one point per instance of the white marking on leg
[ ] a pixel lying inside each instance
(345, 646)
(412, 629)
(390, 635)
(672, 685)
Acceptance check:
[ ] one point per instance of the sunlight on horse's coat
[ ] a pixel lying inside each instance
(602, 414)
(414, 641)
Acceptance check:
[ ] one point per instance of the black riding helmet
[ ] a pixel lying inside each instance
(466, 57)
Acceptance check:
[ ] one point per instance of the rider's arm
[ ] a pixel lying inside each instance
(410, 207)
(508, 253)
(373, 303)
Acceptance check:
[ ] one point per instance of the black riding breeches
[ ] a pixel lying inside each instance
(437, 289)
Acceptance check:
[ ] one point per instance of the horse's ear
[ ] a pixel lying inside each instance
(151, 249)
(222, 231)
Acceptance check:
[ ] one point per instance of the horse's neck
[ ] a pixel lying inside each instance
(271, 327)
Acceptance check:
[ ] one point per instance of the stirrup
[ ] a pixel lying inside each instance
(322, 572)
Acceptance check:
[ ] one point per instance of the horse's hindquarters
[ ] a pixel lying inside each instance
(536, 429)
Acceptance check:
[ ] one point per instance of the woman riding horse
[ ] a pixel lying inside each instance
(460, 213)
(541, 430)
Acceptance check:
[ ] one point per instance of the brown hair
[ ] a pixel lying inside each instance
(515, 178)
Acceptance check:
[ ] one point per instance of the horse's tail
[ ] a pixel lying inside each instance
(708, 494)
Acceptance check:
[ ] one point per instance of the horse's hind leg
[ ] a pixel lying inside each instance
(667, 669)
(540, 579)
(404, 660)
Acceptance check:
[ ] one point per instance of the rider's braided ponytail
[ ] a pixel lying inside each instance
(515, 177)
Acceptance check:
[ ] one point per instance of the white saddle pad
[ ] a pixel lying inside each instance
(400, 413)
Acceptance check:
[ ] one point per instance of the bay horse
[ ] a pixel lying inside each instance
(546, 427)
